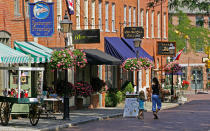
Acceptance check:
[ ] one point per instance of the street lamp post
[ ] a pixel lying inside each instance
(66, 27)
(137, 44)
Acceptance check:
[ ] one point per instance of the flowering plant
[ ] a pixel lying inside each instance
(66, 59)
(65, 87)
(97, 84)
(83, 89)
(172, 67)
(134, 64)
(185, 84)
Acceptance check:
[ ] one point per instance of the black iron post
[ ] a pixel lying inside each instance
(172, 87)
(137, 75)
(66, 25)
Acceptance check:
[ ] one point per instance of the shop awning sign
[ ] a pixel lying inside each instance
(133, 32)
(41, 19)
(86, 36)
(166, 48)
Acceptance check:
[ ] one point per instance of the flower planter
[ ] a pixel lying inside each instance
(79, 103)
(94, 101)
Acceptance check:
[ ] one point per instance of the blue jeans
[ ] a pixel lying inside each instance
(156, 101)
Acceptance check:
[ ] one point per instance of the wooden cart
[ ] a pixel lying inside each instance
(33, 102)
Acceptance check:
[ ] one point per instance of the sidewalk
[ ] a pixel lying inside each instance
(76, 116)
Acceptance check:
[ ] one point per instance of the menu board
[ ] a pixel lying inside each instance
(131, 108)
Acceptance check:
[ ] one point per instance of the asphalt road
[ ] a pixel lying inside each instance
(192, 116)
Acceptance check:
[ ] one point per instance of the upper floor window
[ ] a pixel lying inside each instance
(142, 18)
(17, 7)
(209, 22)
(129, 16)
(152, 24)
(164, 25)
(113, 17)
(125, 7)
(27, 8)
(93, 14)
(100, 14)
(86, 14)
(107, 17)
(147, 24)
(77, 14)
(134, 16)
(158, 23)
(199, 20)
(59, 14)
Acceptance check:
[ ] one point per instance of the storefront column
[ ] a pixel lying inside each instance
(139, 79)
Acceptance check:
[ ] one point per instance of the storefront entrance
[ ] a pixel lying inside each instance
(196, 79)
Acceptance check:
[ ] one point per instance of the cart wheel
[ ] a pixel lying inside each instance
(5, 113)
(34, 114)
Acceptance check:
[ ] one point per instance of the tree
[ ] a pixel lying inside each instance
(196, 36)
(201, 5)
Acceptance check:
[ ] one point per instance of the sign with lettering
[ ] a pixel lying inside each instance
(133, 32)
(131, 108)
(166, 48)
(86, 36)
(41, 19)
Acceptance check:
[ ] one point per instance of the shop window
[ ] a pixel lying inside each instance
(184, 73)
(199, 21)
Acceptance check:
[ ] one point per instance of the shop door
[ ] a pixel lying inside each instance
(197, 79)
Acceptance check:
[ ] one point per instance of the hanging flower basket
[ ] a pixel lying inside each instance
(134, 64)
(67, 59)
(172, 67)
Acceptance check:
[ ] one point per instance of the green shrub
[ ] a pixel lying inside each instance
(119, 96)
(110, 100)
(129, 88)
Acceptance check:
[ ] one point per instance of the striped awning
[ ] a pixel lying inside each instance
(38, 53)
(9, 55)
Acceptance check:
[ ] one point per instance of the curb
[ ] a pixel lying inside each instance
(67, 125)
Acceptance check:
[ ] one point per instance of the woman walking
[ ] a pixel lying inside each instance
(156, 101)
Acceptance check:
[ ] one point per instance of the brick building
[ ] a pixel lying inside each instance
(110, 16)
(194, 69)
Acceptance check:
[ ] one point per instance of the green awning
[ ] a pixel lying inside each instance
(9, 55)
(38, 53)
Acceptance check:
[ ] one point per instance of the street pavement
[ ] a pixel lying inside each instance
(79, 117)
(191, 116)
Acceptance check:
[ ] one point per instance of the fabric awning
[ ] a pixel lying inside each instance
(9, 55)
(142, 52)
(117, 48)
(97, 57)
(39, 53)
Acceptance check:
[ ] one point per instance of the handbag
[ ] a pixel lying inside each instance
(160, 92)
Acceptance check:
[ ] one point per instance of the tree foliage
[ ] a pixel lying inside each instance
(196, 36)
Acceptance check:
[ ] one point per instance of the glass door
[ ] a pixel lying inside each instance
(197, 79)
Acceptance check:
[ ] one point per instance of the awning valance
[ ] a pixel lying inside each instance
(117, 48)
(97, 57)
(39, 53)
(9, 55)
(142, 52)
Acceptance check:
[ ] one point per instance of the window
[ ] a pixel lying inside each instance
(77, 14)
(113, 17)
(208, 74)
(184, 73)
(199, 45)
(209, 22)
(27, 8)
(93, 14)
(59, 14)
(125, 15)
(134, 16)
(107, 17)
(152, 24)
(142, 18)
(158, 20)
(86, 14)
(147, 24)
(16, 7)
(100, 15)
(164, 25)
(199, 20)
(129, 16)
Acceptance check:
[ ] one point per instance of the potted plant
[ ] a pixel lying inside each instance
(63, 87)
(98, 86)
(135, 64)
(185, 84)
(83, 89)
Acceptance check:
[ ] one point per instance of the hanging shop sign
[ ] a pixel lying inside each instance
(41, 19)
(86, 36)
(166, 48)
(133, 32)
